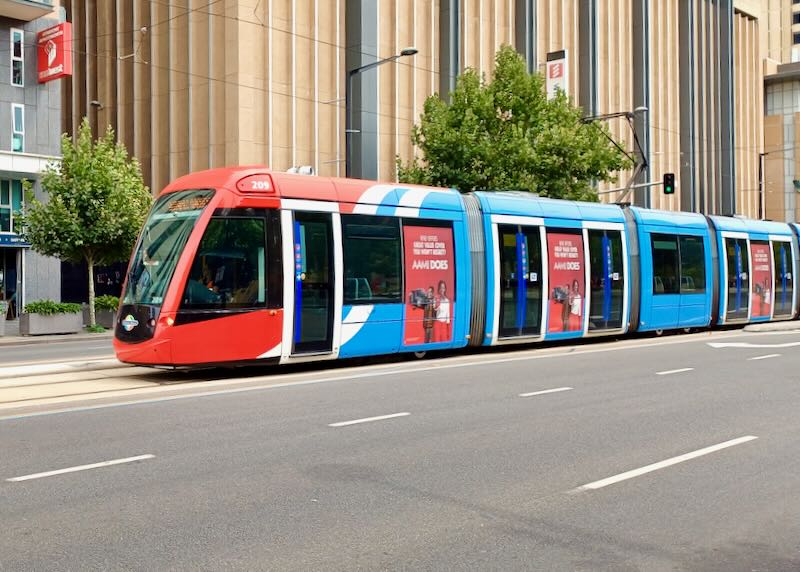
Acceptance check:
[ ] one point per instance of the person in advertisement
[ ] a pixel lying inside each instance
(429, 276)
(441, 328)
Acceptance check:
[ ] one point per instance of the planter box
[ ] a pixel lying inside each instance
(103, 318)
(3, 311)
(38, 325)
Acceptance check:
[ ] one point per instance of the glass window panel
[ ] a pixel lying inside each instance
(5, 194)
(5, 220)
(16, 195)
(16, 72)
(371, 259)
(165, 233)
(18, 119)
(666, 271)
(17, 39)
(17, 143)
(229, 269)
(693, 267)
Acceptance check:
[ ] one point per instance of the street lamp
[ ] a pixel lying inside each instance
(348, 129)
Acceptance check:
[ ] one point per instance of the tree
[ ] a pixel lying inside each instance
(506, 135)
(97, 202)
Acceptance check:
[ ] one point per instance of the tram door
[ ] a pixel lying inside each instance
(738, 264)
(313, 283)
(607, 280)
(784, 278)
(520, 280)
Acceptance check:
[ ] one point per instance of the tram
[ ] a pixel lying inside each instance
(245, 264)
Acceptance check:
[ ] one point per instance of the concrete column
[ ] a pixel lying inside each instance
(361, 26)
(525, 31)
(641, 91)
(686, 73)
(449, 46)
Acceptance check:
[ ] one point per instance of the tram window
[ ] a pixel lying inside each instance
(666, 272)
(229, 269)
(693, 265)
(371, 259)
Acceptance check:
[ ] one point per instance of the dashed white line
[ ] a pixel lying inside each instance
(663, 464)
(545, 391)
(768, 356)
(80, 468)
(368, 419)
(671, 371)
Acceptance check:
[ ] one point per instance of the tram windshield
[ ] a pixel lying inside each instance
(163, 239)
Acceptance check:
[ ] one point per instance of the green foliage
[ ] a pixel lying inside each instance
(106, 302)
(96, 329)
(96, 203)
(50, 308)
(506, 135)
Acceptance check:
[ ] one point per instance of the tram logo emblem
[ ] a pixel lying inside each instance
(129, 323)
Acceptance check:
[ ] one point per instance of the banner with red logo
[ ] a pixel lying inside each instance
(567, 296)
(761, 284)
(430, 284)
(54, 52)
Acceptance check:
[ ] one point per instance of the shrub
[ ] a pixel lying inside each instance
(106, 303)
(50, 308)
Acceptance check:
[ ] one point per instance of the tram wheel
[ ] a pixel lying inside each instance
(687, 330)
(659, 332)
(420, 355)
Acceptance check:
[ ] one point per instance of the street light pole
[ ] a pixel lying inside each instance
(639, 166)
(348, 93)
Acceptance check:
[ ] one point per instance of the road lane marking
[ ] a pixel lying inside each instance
(718, 345)
(80, 468)
(671, 371)
(768, 356)
(663, 464)
(545, 391)
(369, 419)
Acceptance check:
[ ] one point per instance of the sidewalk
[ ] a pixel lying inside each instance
(12, 337)
(787, 326)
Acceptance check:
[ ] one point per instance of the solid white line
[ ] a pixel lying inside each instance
(543, 392)
(718, 345)
(763, 357)
(368, 419)
(663, 464)
(80, 468)
(446, 363)
(669, 371)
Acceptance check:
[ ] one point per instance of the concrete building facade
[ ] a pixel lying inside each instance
(192, 84)
(30, 116)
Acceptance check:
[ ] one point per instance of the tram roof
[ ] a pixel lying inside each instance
(527, 204)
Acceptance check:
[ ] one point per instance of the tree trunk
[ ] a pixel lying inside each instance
(90, 265)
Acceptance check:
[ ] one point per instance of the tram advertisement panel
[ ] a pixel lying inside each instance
(761, 289)
(430, 284)
(567, 282)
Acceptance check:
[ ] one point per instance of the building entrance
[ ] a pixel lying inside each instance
(9, 279)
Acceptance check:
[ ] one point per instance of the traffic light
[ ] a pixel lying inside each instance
(669, 183)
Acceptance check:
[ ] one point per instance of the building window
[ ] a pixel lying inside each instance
(796, 18)
(17, 58)
(10, 203)
(796, 38)
(17, 127)
(371, 259)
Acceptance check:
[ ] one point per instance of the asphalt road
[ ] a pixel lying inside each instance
(472, 476)
(60, 350)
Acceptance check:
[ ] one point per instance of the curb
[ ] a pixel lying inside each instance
(16, 372)
(36, 340)
(788, 326)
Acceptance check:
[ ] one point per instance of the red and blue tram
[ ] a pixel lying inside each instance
(244, 264)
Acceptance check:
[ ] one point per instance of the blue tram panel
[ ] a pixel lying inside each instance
(676, 288)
